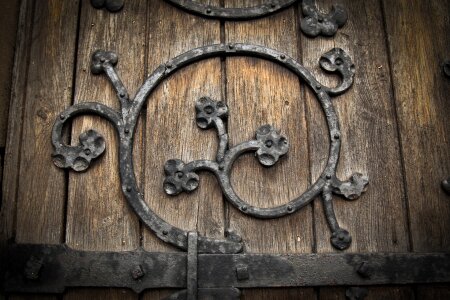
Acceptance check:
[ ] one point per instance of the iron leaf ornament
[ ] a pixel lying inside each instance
(269, 144)
(314, 22)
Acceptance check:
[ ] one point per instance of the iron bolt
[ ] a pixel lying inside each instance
(165, 232)
(87, 151)
(363, 270)
(137, 272)
(242, 272)
(62, 117)
(318, 86)
(328, 176)
(102, 59)
(337, 136)
(33, 268)
(231, 46)
(128, 188)
(208, 10)
(289, 208)
(244, 208)
(122, 94)
(282, 56)
(127, 130)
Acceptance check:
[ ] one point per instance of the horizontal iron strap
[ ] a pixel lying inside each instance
(52, 268)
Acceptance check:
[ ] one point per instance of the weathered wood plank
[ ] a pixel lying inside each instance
(41, 190)
(8, 20)
(377, 221)
(433, 292)
(98, 217)
(374, 293)
(260, 92)
(100, 294)
(18, 95)
(41, 88)
(418, 44)
(171, 130)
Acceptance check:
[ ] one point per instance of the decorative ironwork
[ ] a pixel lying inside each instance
(61, 267)
(269, 145)
(314, 22)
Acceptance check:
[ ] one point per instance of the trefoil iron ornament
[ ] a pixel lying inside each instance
(269, 145)
(313, 23)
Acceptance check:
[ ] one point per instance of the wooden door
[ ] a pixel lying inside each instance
(394, 124)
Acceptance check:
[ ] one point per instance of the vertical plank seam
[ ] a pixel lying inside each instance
(224, 89)
(144, 123)
(307, 112)
(23, 101)
(69, 138)
(396, 118)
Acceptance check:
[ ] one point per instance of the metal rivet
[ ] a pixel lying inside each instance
(122, 94)
(169, 65)
(165, 232)
(137, 272)
(273, 5)
(87, 151)
(128, 188)
(337, 136)
(244, 208)
(328, 176)
(242, 272)
(231, 46)
(208, 10)
(62, 117)
(282, 56)
(363, 270)
(289, 208)
(127, 130)
(318, 87)
(102, 59)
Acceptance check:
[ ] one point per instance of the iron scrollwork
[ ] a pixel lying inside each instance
(269, 144)
(314, 22)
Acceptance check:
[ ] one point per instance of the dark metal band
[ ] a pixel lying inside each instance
(52, 268)
(232, 13)
(92, 144)
(313, 24)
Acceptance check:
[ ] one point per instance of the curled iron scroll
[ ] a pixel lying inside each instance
(314, 22)
(269, 144)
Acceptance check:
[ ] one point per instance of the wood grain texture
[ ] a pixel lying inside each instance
(377, 221)
(98, 217)
(41, 88)
(41, 189)
(433, 292)
(171, 131)
(259, 92)
(99, 294)
(12, 155)
(374, 293)
(9, 16)
(418, 44)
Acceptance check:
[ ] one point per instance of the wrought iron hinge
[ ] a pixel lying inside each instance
(314, 22)
(53, 268)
